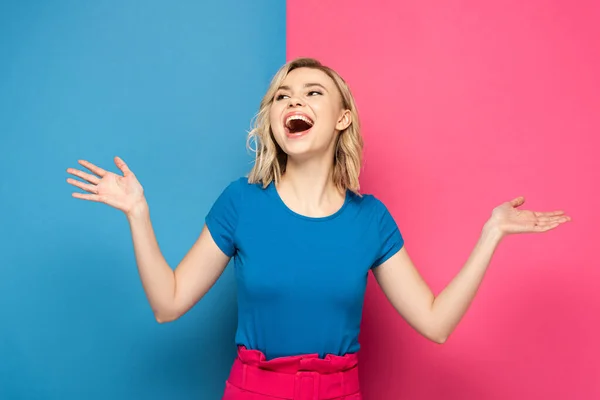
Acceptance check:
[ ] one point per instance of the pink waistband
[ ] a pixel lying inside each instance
(296, 377)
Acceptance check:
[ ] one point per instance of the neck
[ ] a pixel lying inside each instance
(307, 187)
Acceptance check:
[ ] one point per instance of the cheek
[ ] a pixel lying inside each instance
(326, 113)
(274, 118)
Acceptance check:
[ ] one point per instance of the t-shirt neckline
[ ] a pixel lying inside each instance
(275, 193)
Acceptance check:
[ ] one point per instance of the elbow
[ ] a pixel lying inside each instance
(439, 339)
(163, 317)
(437, 336)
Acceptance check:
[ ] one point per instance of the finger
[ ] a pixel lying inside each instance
(95, 169)
(518, 201)
(122, 166)
(85, 186)
(550, 224)
(545, 228)
(548, 213)
(84, 175)
(89, 197)
(558, 218)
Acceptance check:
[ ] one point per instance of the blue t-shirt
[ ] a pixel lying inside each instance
(300, 280)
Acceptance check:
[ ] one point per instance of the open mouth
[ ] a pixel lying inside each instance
(297, 124)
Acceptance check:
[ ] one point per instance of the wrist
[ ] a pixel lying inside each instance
(138, 210)
(492, 231)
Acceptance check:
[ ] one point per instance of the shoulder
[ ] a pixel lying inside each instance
(373, 209)
(243, 185)
(241, 189)
(239, 185)
(368, 202)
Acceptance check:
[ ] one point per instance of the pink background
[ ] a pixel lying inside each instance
(464, 106)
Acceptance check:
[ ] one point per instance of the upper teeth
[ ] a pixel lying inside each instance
(295, 117)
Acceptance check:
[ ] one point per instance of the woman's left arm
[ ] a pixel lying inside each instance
(435, 317)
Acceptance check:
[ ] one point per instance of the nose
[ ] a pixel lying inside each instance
(295, 102)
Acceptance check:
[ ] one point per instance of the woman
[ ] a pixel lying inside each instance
(304, 240)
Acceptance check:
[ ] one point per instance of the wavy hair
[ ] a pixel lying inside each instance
(270, 160)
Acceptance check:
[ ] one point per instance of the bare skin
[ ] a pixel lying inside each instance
(171, 293)
(435, 317)
(308, 189)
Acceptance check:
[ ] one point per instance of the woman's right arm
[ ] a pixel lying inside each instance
(171, 293)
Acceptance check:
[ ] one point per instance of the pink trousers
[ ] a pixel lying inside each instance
(303, 377)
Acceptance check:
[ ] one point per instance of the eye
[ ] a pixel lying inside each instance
(313, 92)
(281, 97)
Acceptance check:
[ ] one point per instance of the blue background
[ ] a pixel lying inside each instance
(171, 87)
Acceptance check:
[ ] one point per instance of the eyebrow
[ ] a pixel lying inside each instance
(307, 85)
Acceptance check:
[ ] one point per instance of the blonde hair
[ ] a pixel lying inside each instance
(270, 160)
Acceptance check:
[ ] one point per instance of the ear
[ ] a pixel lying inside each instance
(344, 121)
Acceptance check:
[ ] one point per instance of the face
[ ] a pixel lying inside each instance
(307, 115)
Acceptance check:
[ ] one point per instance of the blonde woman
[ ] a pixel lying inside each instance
(303, 239)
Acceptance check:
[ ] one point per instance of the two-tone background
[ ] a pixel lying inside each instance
(464, 105)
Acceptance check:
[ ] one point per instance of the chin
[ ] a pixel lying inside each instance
(304, 153)
(298, 151)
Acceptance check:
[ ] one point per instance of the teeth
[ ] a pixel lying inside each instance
(297, 117)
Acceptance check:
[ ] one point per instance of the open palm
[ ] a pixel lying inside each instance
(510, 219)
(121, 192)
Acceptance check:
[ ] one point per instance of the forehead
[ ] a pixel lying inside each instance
(302, 76)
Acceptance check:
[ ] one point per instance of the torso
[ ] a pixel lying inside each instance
(301, 280)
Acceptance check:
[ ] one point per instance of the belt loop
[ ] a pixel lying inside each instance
(244, 373)
(316, 385)
(297, 385)
(307, 385)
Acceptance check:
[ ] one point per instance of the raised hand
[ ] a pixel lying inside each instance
(124, 193)
(508, 219)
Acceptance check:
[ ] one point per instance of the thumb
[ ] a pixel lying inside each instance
(518, 201)
(122, 166)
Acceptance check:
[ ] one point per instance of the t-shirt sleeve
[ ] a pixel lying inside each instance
(390, 238)
(223, 217)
